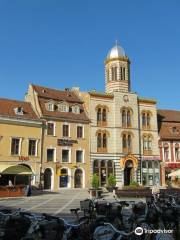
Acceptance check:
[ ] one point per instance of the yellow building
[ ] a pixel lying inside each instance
(65, 137)
(20, 143)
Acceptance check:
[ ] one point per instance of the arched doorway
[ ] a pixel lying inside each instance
(78, 178)
(63, 178)
(47, 178)
(128, 172)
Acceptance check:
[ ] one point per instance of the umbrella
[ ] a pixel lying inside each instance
(175, 174)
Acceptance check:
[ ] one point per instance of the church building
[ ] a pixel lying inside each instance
(123, 128)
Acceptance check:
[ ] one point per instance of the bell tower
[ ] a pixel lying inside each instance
(117, 71)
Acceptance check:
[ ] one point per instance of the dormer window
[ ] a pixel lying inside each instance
(76, 109)
(63, 108)
(174, 130)
(19, 110)
(50, 107)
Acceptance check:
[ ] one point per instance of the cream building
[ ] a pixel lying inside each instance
(124, 136)
(66, 153)
(20, 143)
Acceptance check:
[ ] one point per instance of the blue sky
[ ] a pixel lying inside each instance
(63, 43)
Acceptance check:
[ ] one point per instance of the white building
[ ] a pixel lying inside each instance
(124, 135)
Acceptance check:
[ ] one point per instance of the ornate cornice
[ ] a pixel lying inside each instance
(125, 59)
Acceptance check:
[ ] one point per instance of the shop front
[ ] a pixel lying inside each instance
(169, 169)
(103, 168)
(150, 172)
(14, 180)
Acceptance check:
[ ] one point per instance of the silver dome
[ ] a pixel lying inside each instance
(116, 51)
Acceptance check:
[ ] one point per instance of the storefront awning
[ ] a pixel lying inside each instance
(175, 174)
(17, 170)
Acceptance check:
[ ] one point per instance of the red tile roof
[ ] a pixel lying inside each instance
(55, 94)
(45, 94)
(7, 109)
(169, 115)
(169, 124)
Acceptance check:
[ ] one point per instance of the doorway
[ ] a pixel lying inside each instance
(78, 178)
(128, 172)
(64, 178)
(47, 178)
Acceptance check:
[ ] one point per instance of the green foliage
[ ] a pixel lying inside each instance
(133, 184)
(111, 180)
(95, 181)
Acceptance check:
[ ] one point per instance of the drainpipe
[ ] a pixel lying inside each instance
(140, 153)
(42, 144)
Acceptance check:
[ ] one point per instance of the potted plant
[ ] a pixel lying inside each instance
(95, 191)
(111, 181)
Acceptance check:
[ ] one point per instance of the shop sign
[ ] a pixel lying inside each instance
(22, 158)
(66, 142)
(173, 165)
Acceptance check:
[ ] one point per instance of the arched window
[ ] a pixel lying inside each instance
(166, 153)
(149, 164)
(143, 164)
(104, 140)
(114, 73)
(110, 167)
(123, 118)
(148, 119)
(145, 144)
(129, 142)
(128, 118)
(124, 141)
(144, 119)
(99, 115)
(104, 115)
(156, 164)
(99, 140)
(149, 142)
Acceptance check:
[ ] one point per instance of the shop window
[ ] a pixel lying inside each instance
(150, 164)
(143, 164)
(96, 167)
(110, 169)
(63, 178)
(156, 165)
(151, 180)
(144, 179)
